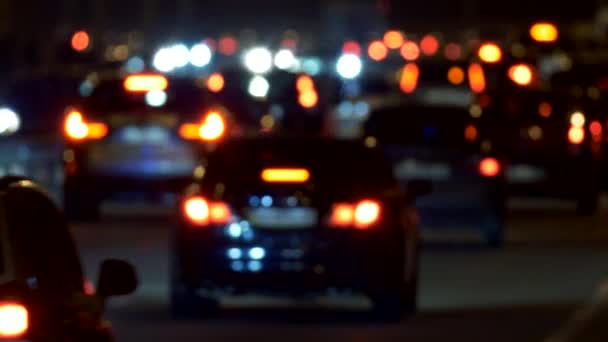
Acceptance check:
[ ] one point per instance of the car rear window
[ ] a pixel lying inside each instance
(329, 162)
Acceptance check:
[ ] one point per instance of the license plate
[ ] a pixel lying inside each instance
(412, 168)
(283, 218)
(525, 174)
(151, 135)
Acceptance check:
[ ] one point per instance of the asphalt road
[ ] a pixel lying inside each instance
(551, 265)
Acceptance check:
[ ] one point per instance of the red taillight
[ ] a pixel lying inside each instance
(361, 215)
(489, 167)
(203, 212)
(14, 320)
(77, 128)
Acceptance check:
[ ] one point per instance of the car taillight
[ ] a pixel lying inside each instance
(200, 211)
(361, 215)
(489, 167)
(77, 128)
(212, 128)
(14, 320)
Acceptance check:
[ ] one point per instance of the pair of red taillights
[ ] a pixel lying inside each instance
(211, 128)
(362, 215)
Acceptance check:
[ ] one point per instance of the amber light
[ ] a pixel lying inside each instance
(14, 320)
(393, 39)
(212, 128)
(456, 75)
(410, 51)
(308, 99)
(285, 175)
(489, 167)
(490, 53)
(360, 216)
(477, 78)
(544, 32)
(521, 74)
(202, 212)
(305, 83)
(377, 50)
(409, 78)
(145, 83)
(76, 127)
(215, 83)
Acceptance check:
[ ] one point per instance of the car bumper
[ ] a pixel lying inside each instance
(313, 260)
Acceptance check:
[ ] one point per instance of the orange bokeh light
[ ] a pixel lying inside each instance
(429, 45)
(377, 50)
(410, 51)
(393, 39)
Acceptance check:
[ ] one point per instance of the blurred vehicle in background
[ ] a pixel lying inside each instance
(136, 133)
(291, 216)
(43, 293)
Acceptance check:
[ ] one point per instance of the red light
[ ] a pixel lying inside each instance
(352, 47)
(377, 50)
(595, 128)
(429, 45)
(80, 41)
(484, 100)
(228, 45)
(452, 51)
(289, 43)
(477, 79)
(489, 167)
(211, 43)
(410, 51)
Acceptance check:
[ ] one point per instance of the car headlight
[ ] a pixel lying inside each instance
(10, 122)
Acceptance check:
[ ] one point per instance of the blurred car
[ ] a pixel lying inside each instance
(459, 154)
(552, 142)
(291, 216)
(43, 296)
(138, 133)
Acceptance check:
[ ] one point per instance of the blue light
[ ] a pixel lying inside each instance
(254, 201)
(234, 253)
(135, 64)
(237, 266)
(292, 201)
(430, 132)
(267, 201)
(235, 230)
(257, 253)
(254, 266)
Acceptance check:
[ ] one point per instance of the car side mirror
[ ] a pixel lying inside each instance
(116, 278)
(418, 188)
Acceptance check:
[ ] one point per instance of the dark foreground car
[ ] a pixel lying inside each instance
(295, 217)
(42, 289)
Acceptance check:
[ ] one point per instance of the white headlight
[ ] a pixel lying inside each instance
(349, 66)
(284, 59)
(156, 98)
(180, 55)
(258, 60)
(9, 121)
(200, 55)
(259, 87)
(163, 60)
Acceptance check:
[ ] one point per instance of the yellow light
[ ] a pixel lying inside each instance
(576, 135)
(308, 99)
(75, 126)
(393, 39)
(377, 50)
(490, 53)
(521, 74)
(285, 175)
(197, 210)
(409, 78)
(535, 133)
(213, 127)
(267, 121)
(145, 83)
(97, 130)
(342, 215)
(577, 119)
(366, 213)
(215, 83)
(456, 75)
(14, 320)
(544, 32)
(305, 83)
